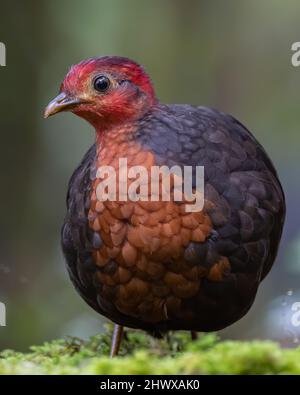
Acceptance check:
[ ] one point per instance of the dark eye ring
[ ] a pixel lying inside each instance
(101, 83)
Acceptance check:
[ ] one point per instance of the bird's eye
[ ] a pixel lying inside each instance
(102, 83)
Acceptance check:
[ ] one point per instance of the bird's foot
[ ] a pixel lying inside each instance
(116, 340)
(194, 335)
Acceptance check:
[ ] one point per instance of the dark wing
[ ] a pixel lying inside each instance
(76, 237)
(240, 180)
(276, 205)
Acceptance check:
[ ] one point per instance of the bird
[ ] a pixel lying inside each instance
(154, 265)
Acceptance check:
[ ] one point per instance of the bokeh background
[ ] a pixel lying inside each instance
(233, 55)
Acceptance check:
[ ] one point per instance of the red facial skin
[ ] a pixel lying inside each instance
(130, 95)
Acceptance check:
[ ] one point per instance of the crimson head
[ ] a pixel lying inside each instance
(105, 91)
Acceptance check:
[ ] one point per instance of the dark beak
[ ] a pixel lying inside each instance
(62, 102)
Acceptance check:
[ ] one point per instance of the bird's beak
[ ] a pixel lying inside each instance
(62, 102)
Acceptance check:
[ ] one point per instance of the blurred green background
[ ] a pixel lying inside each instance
(233, 55)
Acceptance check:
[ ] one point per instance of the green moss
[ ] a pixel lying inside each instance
(141, 354)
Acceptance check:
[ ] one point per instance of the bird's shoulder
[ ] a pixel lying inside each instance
(190, 134)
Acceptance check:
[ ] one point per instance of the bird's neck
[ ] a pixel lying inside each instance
(114, 136)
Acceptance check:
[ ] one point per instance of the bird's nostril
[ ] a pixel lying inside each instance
(61, 98)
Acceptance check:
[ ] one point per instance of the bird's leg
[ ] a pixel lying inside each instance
(194, 335)
(116, 340)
